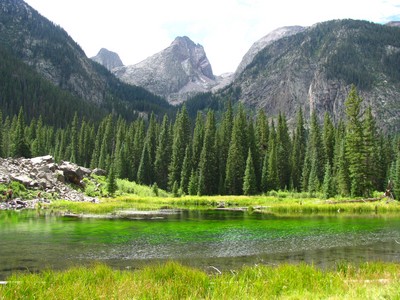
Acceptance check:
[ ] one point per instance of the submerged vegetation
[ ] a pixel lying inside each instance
(175, 281)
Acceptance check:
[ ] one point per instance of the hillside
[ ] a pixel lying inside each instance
(56, 58)
(314, 69)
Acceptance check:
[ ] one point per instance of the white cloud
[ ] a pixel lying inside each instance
(226, 28)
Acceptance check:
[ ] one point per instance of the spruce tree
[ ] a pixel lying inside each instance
(371, 153)
(198, 139)
(20, 146)
(264, 174)
(327, 184)
(298, 151)
(208, 185)
(193, 183)
(74, 140)
(144, 174)
(181, 137)
(283, 152)
(355, 147)
(111, 181)
(272, 174)
(224, 135)
(250, 182)
(236, 162)
(186, 170)
(163, 155)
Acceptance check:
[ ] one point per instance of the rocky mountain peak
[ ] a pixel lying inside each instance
(264, 42)
(393, 23)
(108, 59)
(176, 73)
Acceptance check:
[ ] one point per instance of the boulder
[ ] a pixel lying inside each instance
(99, 172)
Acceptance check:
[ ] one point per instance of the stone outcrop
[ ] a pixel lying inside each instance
(44, 175)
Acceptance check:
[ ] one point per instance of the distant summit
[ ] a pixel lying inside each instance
(108, 59)
(393, 23)
(265, 41)
(176, 73)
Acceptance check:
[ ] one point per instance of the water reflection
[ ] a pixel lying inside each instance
(227, 240)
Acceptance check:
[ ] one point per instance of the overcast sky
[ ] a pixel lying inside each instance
(137, 29)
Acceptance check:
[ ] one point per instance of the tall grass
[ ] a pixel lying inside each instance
(174, 281)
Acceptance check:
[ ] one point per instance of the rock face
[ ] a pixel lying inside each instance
(265, 41)
(108, 59)
(176, 73)
(314, 69)
(44, 175)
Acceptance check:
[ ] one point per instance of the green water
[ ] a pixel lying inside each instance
(30, 241)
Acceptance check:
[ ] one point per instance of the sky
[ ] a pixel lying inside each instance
(137, 29)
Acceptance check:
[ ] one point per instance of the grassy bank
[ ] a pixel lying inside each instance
(174, 281)
(290, 204)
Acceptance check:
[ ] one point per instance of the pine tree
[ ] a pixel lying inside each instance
(208, 184)
(163, 155)
(355, 147)
(181, 137)
(193, 183)
(20, 146)
(198, 139)
(224, 135)
(283, 152)
(136, 151)
(250, 182)
(236, 162)
(328, 137)
(264, 174)
(74, 140)
(272, 174)
(371, 153)
(186, 170)
(111, 181)
(144, 175)
(7, 137)
(298, 152)
(327, 184)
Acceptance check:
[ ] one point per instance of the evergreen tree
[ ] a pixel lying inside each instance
(6, 130)
(186, 170)
(250, 182)
(74, 140)
(272, 174)
(144, 175)
(181, 137)
(371, 153)
(342, 176)
(264, 174)
(137, 150)
(198, 139)
(106, 148)
(163, 155)
(298, 151)
(208, 184)
(328, 137)
(222, 145)
(236, 162)
(20, 146)
(283, 152)
(355, 147)
(111, 181)
(193, 183)
(255, 153)
(327, 184)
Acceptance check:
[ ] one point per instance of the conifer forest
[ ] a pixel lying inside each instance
(228, 153)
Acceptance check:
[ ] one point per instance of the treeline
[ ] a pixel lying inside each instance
(236, 154)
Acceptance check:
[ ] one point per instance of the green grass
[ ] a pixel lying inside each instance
(290, 204)
(174, 281)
